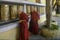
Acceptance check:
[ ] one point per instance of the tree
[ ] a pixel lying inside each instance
(48, 12)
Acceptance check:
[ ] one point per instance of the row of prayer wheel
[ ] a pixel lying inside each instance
(11, 12)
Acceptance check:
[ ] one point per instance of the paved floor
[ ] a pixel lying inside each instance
(58, 21)
(38, 37)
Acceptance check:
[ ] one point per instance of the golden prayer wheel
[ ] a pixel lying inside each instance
(36, 8)
(32, 8)
(20, 9)
(4, 12)
(13, 11)
(28, 10)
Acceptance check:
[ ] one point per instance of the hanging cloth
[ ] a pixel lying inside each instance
(23, 26)
(34, 22)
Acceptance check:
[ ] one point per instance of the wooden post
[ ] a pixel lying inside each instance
(48, 12)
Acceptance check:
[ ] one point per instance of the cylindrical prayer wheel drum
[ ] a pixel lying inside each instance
(4, 12)
(13, 11)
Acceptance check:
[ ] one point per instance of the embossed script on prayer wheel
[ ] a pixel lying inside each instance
(13, 12)
(4, 12)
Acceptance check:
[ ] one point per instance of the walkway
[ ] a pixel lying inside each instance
(38, 37)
